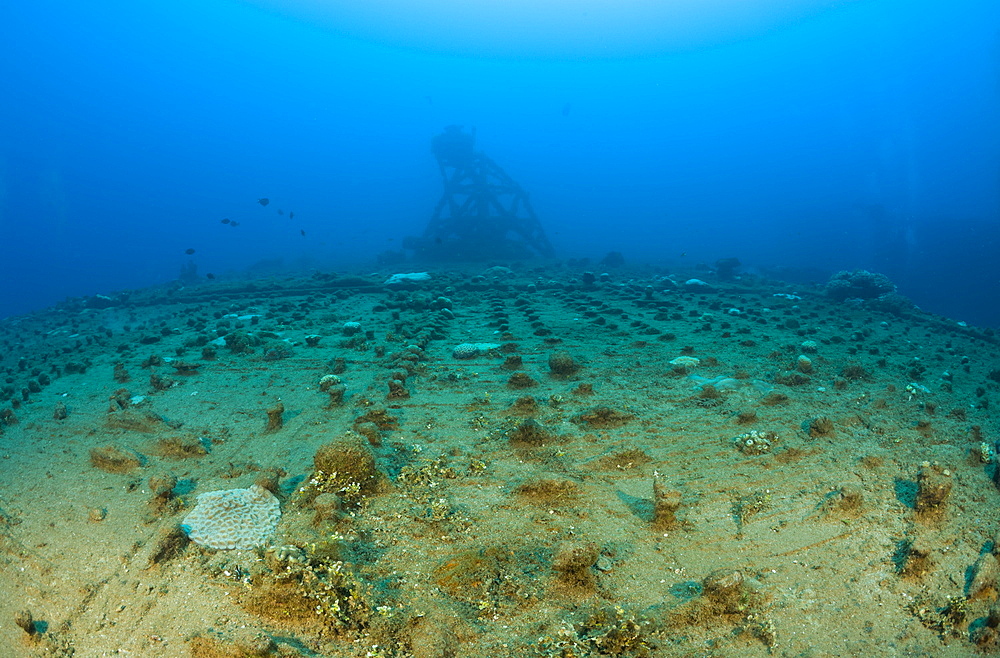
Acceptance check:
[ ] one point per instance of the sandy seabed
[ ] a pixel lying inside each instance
(816, 478)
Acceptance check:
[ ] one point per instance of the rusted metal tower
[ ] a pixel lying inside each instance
(483, 213)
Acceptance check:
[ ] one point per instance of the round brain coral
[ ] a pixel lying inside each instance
(233, 518)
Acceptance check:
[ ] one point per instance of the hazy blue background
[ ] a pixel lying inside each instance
(762, 130)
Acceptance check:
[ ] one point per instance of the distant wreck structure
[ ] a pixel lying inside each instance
(483, 213)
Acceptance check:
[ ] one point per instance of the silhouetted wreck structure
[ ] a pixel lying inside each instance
(483, 213)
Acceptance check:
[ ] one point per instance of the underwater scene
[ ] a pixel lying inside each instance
(501, 329)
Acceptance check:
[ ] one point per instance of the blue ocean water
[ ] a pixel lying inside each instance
(800, 137)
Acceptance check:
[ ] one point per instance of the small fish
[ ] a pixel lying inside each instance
(234, 223)
(302, 232)
(210, 276)
(291, 215)
(264, 201)
(280, 211)
(189, 251)
(225, 221)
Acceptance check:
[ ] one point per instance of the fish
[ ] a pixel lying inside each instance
(302, 232)
(209, 276)
(291, 215)
(225, 221)
(280, 211)
(234, 223)
(189, 251)
(264, 201)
